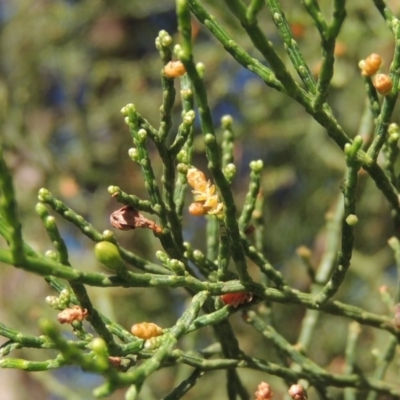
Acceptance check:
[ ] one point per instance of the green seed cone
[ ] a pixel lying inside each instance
(108, 254)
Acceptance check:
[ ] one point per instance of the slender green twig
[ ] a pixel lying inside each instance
(305, 364)
(264, 265)
(313, 9)
(251, 197)
(131, 200)
(33, 366)
(386, 13)
(328, 48)
(391, 152)
(185, 385)
(88, 230)
(253, 9)
(394, 243)
(212, 238)
(223, 254)
(141, 156)
(383, 360)
(261, 43)
(166, 108)
(240, 54)
(291, 45)
(78, 288)
(185, 152)
(373, 98)
(227, 145)
(337, 380)
(160, 355)
(212, 150)
(352, 338)
(349, 220)
(324, 270)
(8, 210)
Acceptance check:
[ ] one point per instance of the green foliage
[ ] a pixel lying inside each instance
(307, 322)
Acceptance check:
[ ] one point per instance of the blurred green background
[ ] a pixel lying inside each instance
(67, 68)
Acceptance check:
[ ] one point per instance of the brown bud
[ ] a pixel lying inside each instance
(383, 289)
(70, 315)
(250, 230)
(383, 84)
(146, 330)
(340, 49)
(298, 30)
(263, 392)
(174, 69)
(304, 252)
(127, 218)
(115, 361)
(297, 392)
(371, 64)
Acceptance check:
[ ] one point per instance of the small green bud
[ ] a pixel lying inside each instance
(228, 135)
(226, 121)
(357, 142)
(157, 208)
(134, 154)
(41, 209)
(177, 50)
(108, 235)
(182, 168)
(142, 135)
(277, 17)
(375, 353)
(256, 166)
(47, 326)
(198, 255)
(113, 190)
(351, 149)
(65, 293)
(201, 69)
(108, 254)
(177, 266)
(164, 38)
(160, 255)
(98, 345)
(187, 245)
(352, 220)
(230, 171)
(189, 117)
(209, 138)
(153, 343)
(51, 254)
(50, 222)
(393, 129)
(187, 94)
(44, 195)
(129, 108)
(64, 298)
(393, 242)
(394, 137)
(183, 157)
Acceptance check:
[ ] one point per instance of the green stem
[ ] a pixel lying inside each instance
(8, 210)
